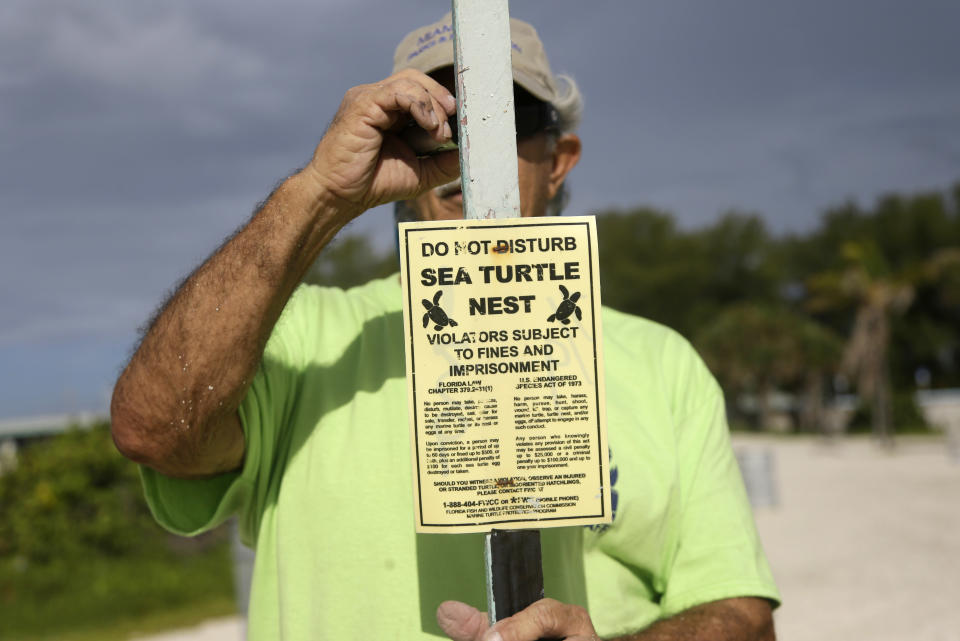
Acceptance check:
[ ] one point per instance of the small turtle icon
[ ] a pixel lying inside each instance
(435, 314)
(566, 307)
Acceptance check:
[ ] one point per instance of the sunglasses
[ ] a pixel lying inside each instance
(531, 119)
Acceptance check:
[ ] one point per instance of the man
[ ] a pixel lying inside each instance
(290, 408)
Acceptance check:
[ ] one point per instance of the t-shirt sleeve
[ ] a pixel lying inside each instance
(189, 507)
(718, 554)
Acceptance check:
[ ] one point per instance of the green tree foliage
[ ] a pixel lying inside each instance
(887, 278)
(755, 349)
(680, 278)
(79, 549)
(70, 496)
(911, 239)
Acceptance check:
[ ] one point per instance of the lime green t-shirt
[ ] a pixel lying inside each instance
(325, 497)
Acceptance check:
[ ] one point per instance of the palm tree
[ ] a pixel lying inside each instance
(756, 348)
(820, 349)
(867, 283)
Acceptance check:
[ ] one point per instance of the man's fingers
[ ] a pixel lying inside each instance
(426, 111)
(461, 622)
(429, 109)
(408, 94)
(547, 619)
(440, 93)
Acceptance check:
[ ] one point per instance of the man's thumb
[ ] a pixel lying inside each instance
(461, 622)
(439, 169)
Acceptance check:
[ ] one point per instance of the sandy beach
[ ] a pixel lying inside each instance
(864, 542)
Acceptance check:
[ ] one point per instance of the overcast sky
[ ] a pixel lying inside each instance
(135, 136)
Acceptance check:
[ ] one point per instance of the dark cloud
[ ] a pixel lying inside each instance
(136, 136)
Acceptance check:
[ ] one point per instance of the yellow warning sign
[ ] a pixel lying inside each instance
(505, 373)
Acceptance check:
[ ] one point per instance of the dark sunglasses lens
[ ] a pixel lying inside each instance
(530, 120)
(533, 119)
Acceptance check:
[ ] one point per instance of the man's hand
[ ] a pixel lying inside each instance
(741, 619)
(545, 619)
(362, 161)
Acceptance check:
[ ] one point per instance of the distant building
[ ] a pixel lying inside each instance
(14, 432)
(941, 408)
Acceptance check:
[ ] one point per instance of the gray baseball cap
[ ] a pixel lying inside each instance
(431, 47)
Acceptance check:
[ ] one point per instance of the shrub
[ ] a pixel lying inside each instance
(79, 548)
(907, 417)
(74, 495)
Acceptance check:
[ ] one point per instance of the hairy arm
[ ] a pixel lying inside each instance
(743, 619)
(740, 619)
(174, 407)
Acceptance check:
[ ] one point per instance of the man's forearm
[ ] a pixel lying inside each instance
(187, 378)
(727, 620)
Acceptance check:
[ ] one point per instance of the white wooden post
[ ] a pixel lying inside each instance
(488, 166)
(487, 130)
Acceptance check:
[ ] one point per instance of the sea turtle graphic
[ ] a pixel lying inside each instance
(566, 307)
(435, 314)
